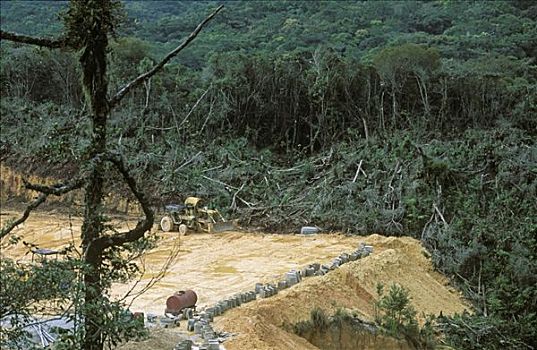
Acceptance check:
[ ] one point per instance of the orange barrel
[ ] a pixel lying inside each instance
(180, 300)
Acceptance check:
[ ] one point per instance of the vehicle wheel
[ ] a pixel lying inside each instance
(182, 230)
(166, 224)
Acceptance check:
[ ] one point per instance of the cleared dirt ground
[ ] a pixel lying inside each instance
(214, 266)
(218, 266)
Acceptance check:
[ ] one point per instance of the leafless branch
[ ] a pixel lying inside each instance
(440, 214)
(188, 162)
(233, 205)
(25, 39)
(172, 258)
(220, 182)
(358, 171)
(10, 226)
(194, 107)
(142, 226)
(145, 76)
(56, 190)
(208, 116)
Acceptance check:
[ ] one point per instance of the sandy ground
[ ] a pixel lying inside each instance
(214, 266)
(217, 266)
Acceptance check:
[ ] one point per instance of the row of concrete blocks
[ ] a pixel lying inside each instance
(362, 251)
(229, 303)
(199, 322)
(293, 277)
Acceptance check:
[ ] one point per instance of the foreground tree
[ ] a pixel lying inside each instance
(89, 25)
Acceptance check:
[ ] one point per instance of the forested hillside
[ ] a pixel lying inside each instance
(401, 118)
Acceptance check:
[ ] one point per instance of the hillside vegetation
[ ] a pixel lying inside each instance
(401, 118)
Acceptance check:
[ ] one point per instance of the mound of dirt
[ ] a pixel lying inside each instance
(264, 324)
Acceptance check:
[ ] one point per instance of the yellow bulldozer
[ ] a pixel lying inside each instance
(193, 216)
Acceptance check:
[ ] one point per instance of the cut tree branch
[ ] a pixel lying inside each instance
(358, 170)
(10, 226)
(194, 107)
(25, 39)
(56, 190)
(145, 76)
(142, 226)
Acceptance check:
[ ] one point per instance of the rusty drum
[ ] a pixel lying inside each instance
(180, 300)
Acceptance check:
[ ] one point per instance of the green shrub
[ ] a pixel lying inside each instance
(396, 316)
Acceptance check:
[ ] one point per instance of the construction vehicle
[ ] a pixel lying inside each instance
(193, 216)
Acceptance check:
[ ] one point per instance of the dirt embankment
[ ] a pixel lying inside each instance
(13, 193)
(264, 323)
(12, 188)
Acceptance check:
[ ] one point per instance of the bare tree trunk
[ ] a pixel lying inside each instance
(382, 121)
(443, 107)
(394, 107)
(422, 87)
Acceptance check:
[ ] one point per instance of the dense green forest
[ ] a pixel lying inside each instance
(403, 118)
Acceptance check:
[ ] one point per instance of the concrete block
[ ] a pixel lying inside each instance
(282, 285)
(213, 344)
(291, 278)
(309, 230)
(184, 345)
(273, 290)
(198, 327)
(310, 271)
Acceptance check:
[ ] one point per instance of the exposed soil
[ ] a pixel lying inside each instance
(214, 266)
(344, 335)
(261, 325)
(218, 266)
